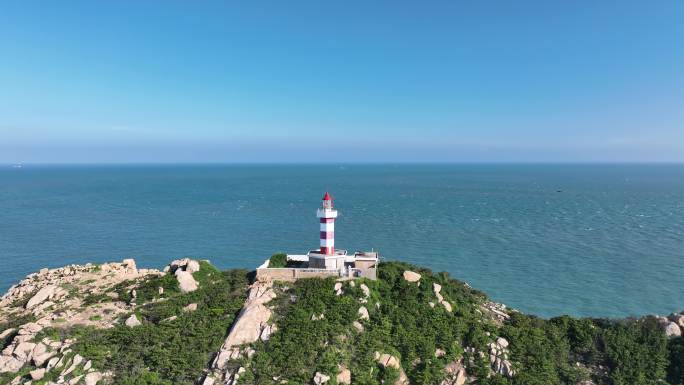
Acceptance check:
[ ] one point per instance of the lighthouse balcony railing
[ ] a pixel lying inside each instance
(317, 253)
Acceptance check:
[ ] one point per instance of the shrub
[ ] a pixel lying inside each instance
(278, 260)
(675, 370)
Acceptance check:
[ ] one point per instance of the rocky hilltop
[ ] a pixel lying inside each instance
(193, 324)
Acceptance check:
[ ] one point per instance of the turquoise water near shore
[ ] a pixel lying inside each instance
(585, 240)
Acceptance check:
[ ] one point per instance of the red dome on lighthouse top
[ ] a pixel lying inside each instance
(327, 197)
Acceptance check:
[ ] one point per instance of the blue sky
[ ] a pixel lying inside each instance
(477, 81)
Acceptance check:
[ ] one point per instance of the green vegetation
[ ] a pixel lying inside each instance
(148, 289)
(92, 299)
(675, 372)
(51, 333)
(632, 352)
(561, 350)
(278, 260)
(404, 325)
(297, 348)
(316, 332)
(163, 351)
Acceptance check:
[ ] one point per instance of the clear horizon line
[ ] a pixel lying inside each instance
(413, 162)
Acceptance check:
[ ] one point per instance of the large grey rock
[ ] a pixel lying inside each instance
(24, 350)
(30, 328)
(320, 378)
(51, 363)
(365, 289)
(437, 288)
(133, 321)
(678, 319)
(248, 327)
(505, 367)
(498, 358)
(253, 316)
(192, 266)
(92, 378)
(42, 294)
(10, 364)
(77, 360)
(502, 342)
(41, 353)
(411, 276)
(186, 281)
(37, 374)
(343, 375)
(179, 264)
(363, 313)
(455, 374)
(390, 361)
(447, 306)
(7, 332)
(129, 263)
(387, 360)
(672, 330)
(267, 331)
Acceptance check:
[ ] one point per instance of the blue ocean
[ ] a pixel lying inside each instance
(584, 240)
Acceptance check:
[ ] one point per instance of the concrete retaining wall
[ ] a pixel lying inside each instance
(292, 274)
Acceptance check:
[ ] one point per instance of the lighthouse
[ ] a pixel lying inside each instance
(326, 256)
(327, 215)
(326, 260)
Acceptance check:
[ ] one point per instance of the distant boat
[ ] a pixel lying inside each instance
(17, 165)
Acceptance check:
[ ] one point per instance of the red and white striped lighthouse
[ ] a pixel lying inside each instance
(327, 216)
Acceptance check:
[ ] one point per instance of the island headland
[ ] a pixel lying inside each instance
(190, 323)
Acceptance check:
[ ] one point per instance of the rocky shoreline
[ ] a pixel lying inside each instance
(53, 298)
(59, 298)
